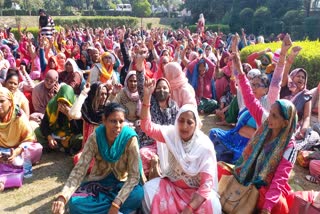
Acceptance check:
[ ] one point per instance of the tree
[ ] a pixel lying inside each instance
(141, 8)
(262, 18)
(246, 18)
(32, 5)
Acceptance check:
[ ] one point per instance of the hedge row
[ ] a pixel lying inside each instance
(66, 12)
(212, 27)
(308, 58)
(33, 30)
(97, 21)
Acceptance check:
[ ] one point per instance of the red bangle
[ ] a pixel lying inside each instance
(190, 208)
(146, 105)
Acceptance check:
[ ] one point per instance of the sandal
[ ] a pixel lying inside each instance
(313, 179)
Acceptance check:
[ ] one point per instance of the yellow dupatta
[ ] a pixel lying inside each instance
(15, 127)
(106, 70)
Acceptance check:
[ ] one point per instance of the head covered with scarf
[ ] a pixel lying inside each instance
(181, 91)
(195, 156)
(107, 69)
(260, 159)
(66, 95)
(133, 96)
(14, 127)
(90, 110)
(292, 85)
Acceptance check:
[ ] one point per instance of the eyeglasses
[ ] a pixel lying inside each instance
(257, 85)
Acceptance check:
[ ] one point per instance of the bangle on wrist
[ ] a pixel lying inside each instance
(115, 205)
(146, 105)
(64, 199)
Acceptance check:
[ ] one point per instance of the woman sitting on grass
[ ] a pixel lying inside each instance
(15, 135)
(269, 156)
(189, 176)
(113, 184)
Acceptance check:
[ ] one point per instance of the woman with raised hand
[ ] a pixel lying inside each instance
(113, 185)
(189, 182)
(230, 144)
(269, 156)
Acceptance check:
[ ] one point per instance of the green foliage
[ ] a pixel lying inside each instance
(141, 8)
(308, 58)
(312, 26)
(293, 17)
(97, 21)
(149, 26)
(33, 30)
(246, 18)
(213, 10)
(212, 27)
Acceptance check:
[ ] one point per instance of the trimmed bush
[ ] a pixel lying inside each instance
(33, 30)
(97, 21)
(212, 27)
(308, 58)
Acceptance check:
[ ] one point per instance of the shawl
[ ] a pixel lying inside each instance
(89, 113)
(198, 154)
(260, 160)
(66, 94)
(106, 70)
(132, 96)
(15, 128)
(113, 153)
(181, 91)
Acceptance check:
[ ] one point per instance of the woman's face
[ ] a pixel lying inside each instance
(162, 91)
(165, 53)
(12, 84)
(165, 61)
(107, 60)
(5, 105)
(95, 56)
(258, 88)
(208, 50)
(275, 120)
(300, 80)
(114, 123)
(69, 67)
(202, 69)
(52, 64)
(265, 60)
(103, 96)
(132, 83)
(83, 58)
(5, 53)
(186, 125)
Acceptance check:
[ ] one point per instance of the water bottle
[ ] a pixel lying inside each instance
(27, 164)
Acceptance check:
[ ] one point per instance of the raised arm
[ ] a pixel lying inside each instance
(75, 111)
(275, 86)
(250, 101)
(294, 52)
(151, 129)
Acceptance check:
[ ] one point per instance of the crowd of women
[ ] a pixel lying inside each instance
(126, 103)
